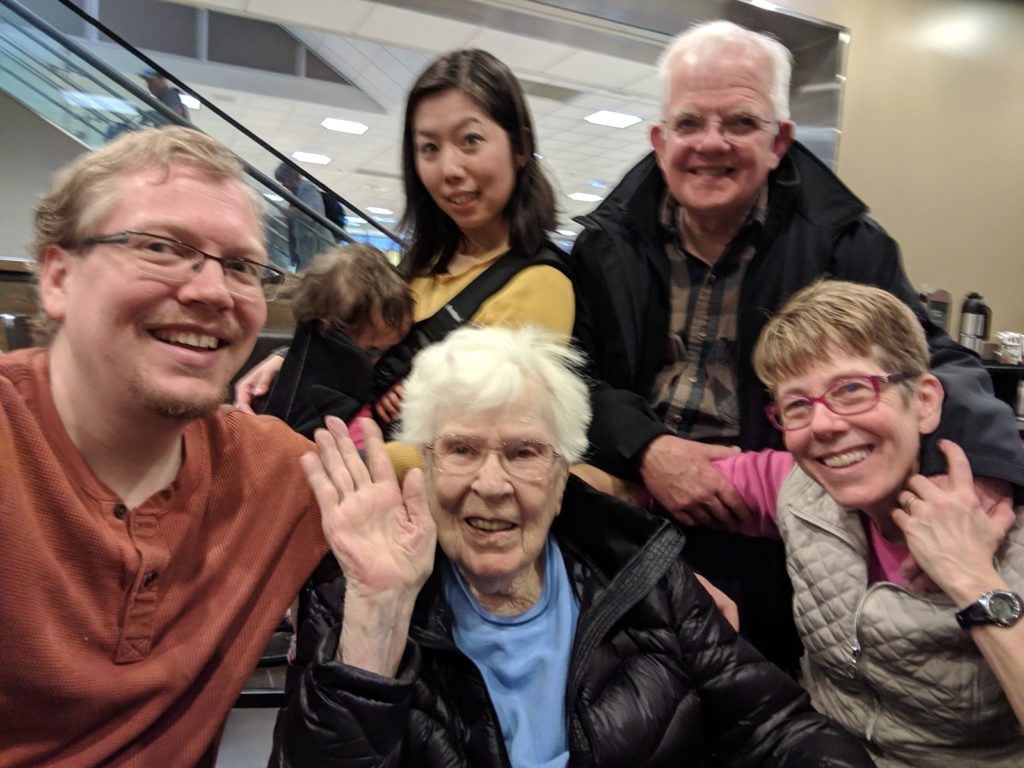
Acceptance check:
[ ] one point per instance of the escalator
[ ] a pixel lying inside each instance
(57, 77)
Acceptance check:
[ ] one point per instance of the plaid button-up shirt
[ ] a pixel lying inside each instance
(695, 394)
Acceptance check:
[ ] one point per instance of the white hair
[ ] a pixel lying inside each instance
(711, 39)
(480, 370)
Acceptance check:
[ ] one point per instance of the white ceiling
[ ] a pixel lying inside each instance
(382, 49)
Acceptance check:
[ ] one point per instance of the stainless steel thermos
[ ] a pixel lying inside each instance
(975, 322)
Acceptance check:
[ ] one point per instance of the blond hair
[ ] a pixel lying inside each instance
(345, 286)
(836, 317)
(83, 193)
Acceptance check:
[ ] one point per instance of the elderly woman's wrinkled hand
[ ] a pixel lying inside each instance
(382, 536)
(950, 534)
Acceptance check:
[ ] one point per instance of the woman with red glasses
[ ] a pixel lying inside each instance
(925, 663)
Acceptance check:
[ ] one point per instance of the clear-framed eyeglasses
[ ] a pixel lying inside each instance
(526, 459)
(736, 128)
(174, 261)
(847, 397)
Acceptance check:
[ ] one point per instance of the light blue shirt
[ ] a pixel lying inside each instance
(524, 661)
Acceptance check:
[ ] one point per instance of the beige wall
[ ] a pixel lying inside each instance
(933, 138)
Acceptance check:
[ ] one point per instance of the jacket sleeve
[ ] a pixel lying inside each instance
(623, 423)
(754, 714)
(972, 417)
(338, 715)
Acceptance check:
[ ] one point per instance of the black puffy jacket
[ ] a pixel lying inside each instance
(657, 677)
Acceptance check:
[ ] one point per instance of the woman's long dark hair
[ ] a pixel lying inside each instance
(434, 237)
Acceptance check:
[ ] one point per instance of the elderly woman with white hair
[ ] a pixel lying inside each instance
(553, 625)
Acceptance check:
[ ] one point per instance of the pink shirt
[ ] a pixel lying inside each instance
(758, 476)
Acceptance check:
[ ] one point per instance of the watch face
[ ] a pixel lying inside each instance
(1003, 607)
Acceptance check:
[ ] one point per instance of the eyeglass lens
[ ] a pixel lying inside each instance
(526, 459)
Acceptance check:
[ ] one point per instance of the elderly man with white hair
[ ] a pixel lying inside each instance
(552, 625)
(679, 269)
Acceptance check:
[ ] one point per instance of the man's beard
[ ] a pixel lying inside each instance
(169, 406)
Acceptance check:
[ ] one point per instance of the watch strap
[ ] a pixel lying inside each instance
(980, 612)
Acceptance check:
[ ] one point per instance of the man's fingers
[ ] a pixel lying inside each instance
(715, 452)
(733, 501)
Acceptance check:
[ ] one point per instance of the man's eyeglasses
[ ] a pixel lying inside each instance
(169, 259)
(461, 455)
(847, 397)
(734, 128)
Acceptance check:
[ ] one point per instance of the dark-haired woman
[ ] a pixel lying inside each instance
(475, 194)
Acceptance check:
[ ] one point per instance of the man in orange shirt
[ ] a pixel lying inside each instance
(152, 537)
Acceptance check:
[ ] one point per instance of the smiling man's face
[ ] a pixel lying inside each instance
(135, 340)
(715, 178)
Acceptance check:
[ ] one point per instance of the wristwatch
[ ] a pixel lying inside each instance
(998, 607)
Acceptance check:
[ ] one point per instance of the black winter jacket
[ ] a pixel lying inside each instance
(657, 676)
(815, 226)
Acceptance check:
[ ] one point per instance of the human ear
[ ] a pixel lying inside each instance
(53, 278)
(783, 139)
(928, 399)
(658, 140)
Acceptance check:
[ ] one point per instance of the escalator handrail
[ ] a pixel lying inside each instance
(234, 123)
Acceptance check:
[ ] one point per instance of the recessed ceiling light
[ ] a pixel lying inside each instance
(379, 211)
(190, 101)
(311, 157)
(344, 126)
(585, 197)
(612, 119)
(565, 232)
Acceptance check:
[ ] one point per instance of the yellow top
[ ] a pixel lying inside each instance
(540, 295)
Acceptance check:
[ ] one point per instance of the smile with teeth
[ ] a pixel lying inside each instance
(839, 460)
(465, 197)
(710, 171)
(188, 339)
(489, 525)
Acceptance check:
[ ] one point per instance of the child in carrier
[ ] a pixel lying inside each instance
(351, 306)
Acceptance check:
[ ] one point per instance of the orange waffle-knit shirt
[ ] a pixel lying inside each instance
(126, 635)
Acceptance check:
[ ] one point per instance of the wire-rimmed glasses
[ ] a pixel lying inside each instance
(172, 260)
(847, 397)
(525, 458)
(734, 128)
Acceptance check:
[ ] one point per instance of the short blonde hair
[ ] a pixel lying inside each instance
(478, 370)
(83, 193)
(834, 316)
(345, 286)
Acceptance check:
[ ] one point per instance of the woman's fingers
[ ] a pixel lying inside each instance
(958, 467)
(354, 467)
(381, 468)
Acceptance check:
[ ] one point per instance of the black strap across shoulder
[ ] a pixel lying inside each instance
(395, 365)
